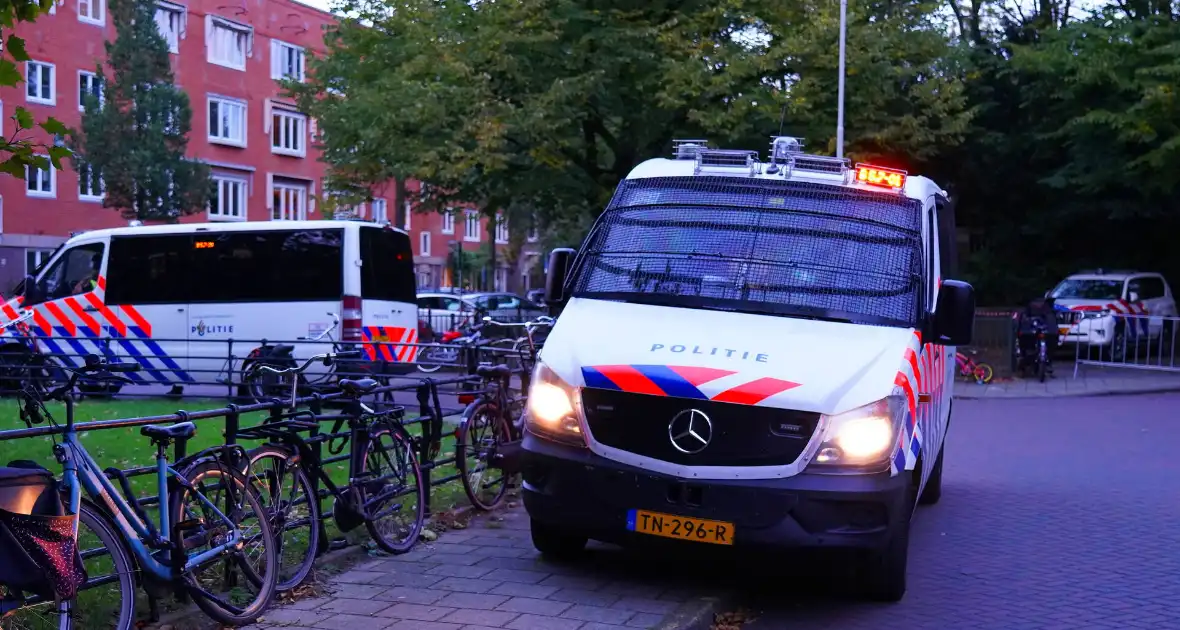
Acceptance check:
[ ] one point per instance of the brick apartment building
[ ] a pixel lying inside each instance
(226, 56)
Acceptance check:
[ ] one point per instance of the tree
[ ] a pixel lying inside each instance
(545, 105)
(136, 139)
(18, 152)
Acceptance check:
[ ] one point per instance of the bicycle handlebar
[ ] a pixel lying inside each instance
(24, 317)
(325, 358)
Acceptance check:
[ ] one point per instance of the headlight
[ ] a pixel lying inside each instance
(552, 408)
(862, 437)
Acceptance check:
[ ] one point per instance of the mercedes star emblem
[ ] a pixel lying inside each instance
(690, 431)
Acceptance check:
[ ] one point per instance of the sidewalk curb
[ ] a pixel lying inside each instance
(1082, 394)
(697, 614)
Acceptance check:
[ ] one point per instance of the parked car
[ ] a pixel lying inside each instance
(536, 296)
(440, 312)
(505, 306)
(1104, 295)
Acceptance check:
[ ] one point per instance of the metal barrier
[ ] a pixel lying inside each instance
(431, 417)
(994, 339)
(1107, 339)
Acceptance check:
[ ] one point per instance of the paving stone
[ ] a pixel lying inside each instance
(410, 595)
(579, 596)
(357, 577)
(354, 622)
(644, 605)
(539, 622)
(416, 612)
(534, 606)
(516, 589)
(294, 616)
(354, 606)
(422, 625)
(476, 601)
(493, 618)
(645, 620)
(598, 613)
(516, 575)
(357, 591)
(465, 585)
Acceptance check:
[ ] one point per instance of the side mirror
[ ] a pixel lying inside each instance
(953, 320)
(560, 260)
(1132, 297)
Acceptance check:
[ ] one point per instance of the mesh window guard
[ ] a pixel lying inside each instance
(756, 245)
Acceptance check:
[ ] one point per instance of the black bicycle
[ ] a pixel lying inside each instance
(384, 474)
(23, 364)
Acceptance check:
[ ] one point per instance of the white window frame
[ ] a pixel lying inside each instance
(88, 194)
(172, 37)
(409, 213)
(93, 80)
(224, 102)
(424, 243)
(98, 20)
(278, 61)
(298, 193)
(501, 229)
(38, 193)
(380, 210)
(471, 217)
(223, 182)
(215, 26)
(289, 124)
(42, 66)
(448, 221)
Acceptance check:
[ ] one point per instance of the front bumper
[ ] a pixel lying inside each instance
(575, 490)
(1094, 331)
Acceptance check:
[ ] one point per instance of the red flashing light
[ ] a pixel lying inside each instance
(880, 176)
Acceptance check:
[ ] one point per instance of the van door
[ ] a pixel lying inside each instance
(277, 286)
(147, 292)
(65, 296)
(388, 295)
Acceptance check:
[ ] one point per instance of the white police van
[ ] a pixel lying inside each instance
(173, 297)
(749, 353)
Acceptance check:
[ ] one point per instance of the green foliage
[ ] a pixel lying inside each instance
(20, 151)
(137, 138)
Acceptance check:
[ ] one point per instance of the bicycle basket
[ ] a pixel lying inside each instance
(38, 552)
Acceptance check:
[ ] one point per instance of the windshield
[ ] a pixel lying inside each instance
(773, 247)
(1089, 290)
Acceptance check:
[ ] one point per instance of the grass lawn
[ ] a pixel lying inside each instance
(125, 448)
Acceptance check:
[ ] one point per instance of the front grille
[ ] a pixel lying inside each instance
(743, 435)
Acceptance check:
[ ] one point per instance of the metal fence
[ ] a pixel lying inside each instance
(428, 394)
(1141, 342)
(994, 339)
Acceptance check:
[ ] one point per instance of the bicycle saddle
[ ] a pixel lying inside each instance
(353, 387)
(178, 431)
(493, 371)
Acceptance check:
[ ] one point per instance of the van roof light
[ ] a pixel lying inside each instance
(880, 176)
(687, 149)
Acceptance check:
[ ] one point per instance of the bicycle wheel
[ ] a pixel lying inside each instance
(288, 495)
(481, 429)
(390, 480)
(107, 600)
(236, 587)
(432, 359)
(984, 373)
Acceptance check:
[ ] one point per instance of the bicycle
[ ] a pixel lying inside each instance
(487, 429)
(288, 463)
(193, 533)
(967, 366)
(525, 349)
(22, 362)
(450, 347)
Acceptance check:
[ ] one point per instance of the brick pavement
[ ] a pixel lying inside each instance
(489, 576)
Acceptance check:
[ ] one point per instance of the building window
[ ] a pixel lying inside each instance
(227, 121)
(34, 258)
(286, 61)
(448, 217)
(228, 43)
(471, 226)
(229, 199)
(501, 229)
(534, 234)
(39, 83)
(41, 182)
(288, 202)
(380, 211)
(91, 11)
(424, 244)
(88, 83)
(288, 133)
(409, 213)
(89, 183)
(170, 19)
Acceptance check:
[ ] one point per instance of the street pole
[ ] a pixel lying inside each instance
(840, 83)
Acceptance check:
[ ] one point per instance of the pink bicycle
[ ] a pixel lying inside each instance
(968, 367)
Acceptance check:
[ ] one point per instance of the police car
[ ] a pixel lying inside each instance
(749, 353)
(1115, 307)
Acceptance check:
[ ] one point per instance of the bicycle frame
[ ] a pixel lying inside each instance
(80, 471)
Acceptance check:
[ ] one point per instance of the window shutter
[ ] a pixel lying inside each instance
(268, 116)
(276, 61)
(270, 195)
(209, 36)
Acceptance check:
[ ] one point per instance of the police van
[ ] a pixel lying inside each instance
(749, 353)
(180, 300)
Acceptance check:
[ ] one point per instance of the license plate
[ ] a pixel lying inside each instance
(1063, 331)
(680, 527)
